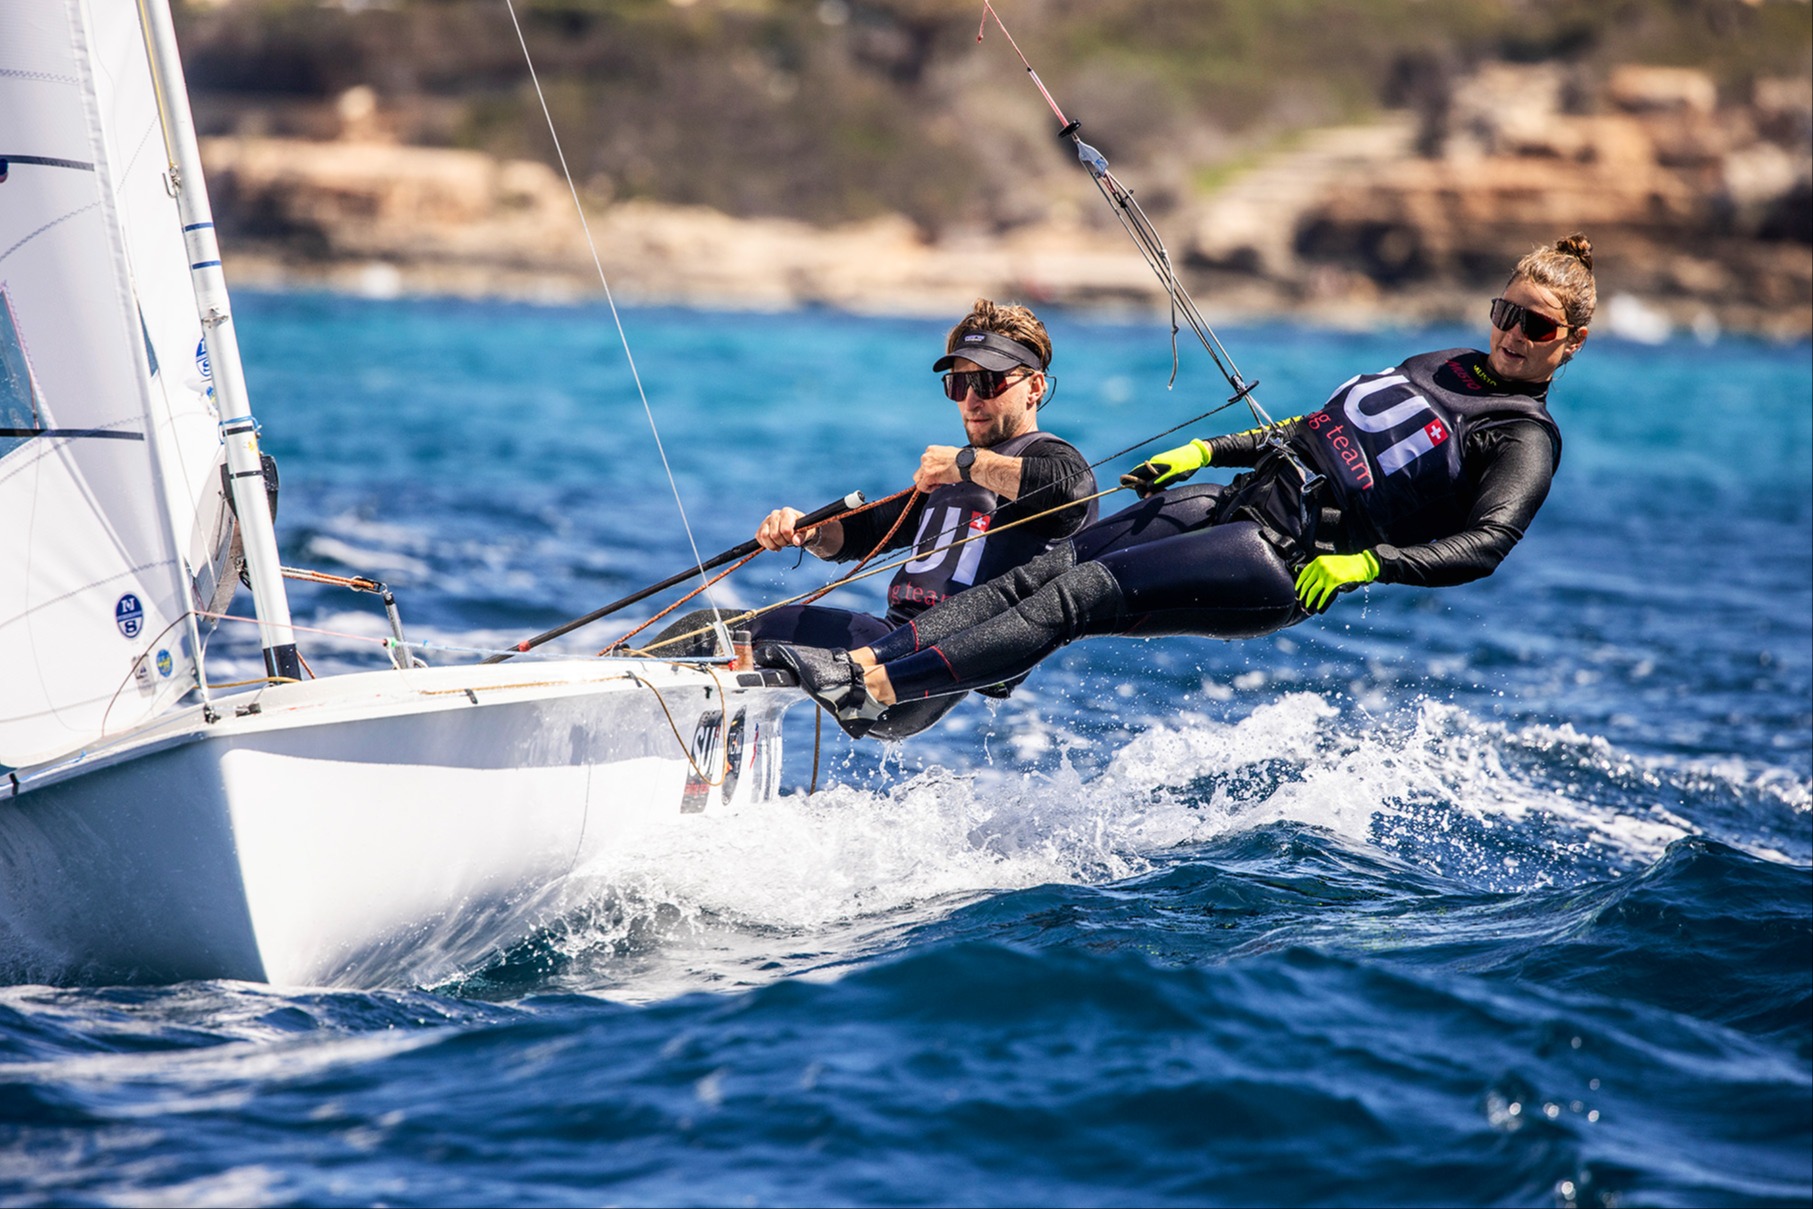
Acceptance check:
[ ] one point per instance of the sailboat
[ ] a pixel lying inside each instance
(391, 826)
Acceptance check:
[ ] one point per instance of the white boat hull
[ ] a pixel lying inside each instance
(378, 829)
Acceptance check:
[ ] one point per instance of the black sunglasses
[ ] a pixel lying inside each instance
(1540, 329)
(987, 383)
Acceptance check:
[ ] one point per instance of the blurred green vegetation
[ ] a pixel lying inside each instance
(828, 110)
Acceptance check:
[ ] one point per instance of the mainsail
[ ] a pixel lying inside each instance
(114, 529)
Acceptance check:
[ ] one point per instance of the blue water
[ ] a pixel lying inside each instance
(1495, 895)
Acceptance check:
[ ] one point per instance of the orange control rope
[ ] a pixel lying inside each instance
(623, 642)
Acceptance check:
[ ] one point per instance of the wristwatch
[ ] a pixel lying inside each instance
(966, 457)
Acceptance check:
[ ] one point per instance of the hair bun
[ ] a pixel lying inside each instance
(1578, 246)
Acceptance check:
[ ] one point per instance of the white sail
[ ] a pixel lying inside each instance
(111, 525)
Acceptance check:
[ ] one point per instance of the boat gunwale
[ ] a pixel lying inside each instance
(268, 708)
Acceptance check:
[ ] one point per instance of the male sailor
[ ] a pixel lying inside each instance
(960, 520)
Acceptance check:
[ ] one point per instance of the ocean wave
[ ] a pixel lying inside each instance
(811, 883)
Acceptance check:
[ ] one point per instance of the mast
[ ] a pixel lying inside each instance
(239, 430)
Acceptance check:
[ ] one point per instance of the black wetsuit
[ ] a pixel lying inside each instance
(1052, 472)
(1435, 466)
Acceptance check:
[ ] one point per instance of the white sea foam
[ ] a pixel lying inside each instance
(808, 883)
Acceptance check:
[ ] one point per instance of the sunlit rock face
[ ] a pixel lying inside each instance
(1699, 203)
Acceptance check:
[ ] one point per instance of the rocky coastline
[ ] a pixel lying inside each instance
(1701, 209)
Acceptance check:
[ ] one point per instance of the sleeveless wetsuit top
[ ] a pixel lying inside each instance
(1390, 443)
(954, 511)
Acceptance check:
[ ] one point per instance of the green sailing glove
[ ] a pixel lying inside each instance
(1171, 466)
(1327, 574)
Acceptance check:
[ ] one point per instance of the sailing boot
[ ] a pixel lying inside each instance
(830, 679)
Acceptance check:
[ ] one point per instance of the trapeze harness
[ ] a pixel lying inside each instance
(1402, 454)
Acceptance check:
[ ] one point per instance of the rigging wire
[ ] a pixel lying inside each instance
(857, 572)
(623, 642)
(610, 299)
(1152, 248)
(852, 577)
(1127, 211)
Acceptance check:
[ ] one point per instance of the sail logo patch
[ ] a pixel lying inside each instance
(129, 615)
(165, 664)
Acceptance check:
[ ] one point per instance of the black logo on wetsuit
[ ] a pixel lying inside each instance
(1377, 424)
(1391, 442)
(954, 547)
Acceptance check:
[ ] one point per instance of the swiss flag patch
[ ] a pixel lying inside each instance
(1436, 431)
(980, 524)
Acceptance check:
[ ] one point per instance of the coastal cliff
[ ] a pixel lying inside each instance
(1697, 193)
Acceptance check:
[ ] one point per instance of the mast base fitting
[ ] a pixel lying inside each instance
(1069, 131)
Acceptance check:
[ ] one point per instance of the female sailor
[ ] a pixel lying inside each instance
(1426, 473)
